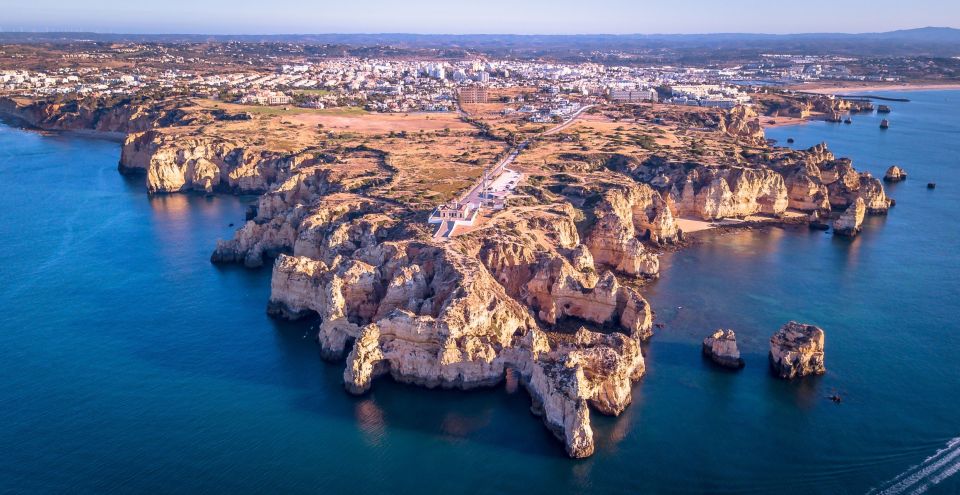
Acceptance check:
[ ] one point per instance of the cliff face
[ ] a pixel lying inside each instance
(172, 161)
(623, 216)
(461, 313)
(743, 124)
(466, 312)
(119, 117)
(176, 163)
(731, 192)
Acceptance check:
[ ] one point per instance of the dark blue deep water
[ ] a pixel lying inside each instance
(130, 364)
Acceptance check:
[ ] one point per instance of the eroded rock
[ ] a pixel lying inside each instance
(721, 348)
(796, 350)
(850, 223)
(895, 174)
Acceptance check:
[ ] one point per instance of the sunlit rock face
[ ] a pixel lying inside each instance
(796, 350)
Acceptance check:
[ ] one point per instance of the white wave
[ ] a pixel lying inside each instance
(946, 473)
(930, 472)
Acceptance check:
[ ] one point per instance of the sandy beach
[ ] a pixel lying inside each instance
(768, 122)
(866, 87)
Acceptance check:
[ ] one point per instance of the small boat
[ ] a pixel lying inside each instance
(848, 120)
(883, 109)
(884, 124)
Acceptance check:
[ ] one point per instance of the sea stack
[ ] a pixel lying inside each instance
(850, 223)
(796, 350)
(895, 174)
(816, 222)
(721, 348)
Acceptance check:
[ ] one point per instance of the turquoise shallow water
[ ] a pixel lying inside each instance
(132, 365)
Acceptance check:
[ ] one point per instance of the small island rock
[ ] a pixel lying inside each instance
(850, 223)
(895, 174)
(796, 350)
(721, 347)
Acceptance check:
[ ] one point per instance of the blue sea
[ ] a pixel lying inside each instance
(131, 364)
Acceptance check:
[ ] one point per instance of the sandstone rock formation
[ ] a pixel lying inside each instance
(796, 350)
(743, 123)
(712, 194)
(117, 117)
(623, 216)
(895, 174)
(721, 348)
(464, 313)
(593, 369)
(849, 224)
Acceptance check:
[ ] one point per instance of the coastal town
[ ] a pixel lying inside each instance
(283, 75)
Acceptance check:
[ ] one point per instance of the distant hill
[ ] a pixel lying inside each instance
(928, 41)
(927, 34)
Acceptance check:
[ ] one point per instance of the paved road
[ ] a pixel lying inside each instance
(473, 196)
(566, 123)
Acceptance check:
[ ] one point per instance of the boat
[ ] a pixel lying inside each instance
(883, 109)
(884, 124)
(848, 120)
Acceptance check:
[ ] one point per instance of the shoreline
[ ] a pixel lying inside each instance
(846, 89)
(769, 122)
(703, 228)
(17, 122)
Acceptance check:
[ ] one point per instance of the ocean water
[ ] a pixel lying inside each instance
(130, 364)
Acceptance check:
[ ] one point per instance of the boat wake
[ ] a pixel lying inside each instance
(918, 479)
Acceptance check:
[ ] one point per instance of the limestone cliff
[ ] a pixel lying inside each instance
(119, 116)
(623, 216)
(464, 313)
(743, 124)
(713, 193)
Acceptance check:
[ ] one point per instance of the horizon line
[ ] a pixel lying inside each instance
(403, 33)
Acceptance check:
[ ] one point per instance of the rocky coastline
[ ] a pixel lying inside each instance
(572, 250)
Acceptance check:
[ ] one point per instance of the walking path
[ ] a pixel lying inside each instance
(501, 180)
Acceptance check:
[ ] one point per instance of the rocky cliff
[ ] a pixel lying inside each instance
(743, 124)
(713, 193)
(120, 116)
(466, 312)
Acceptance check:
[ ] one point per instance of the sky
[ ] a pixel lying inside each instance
(471, 17)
